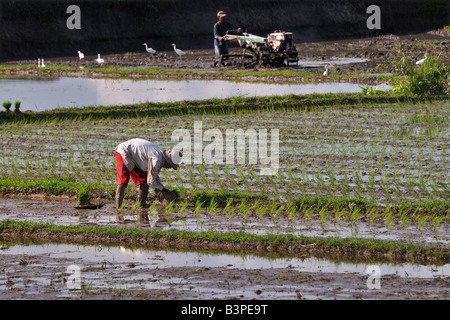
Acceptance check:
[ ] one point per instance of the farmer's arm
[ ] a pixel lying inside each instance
(154, 168)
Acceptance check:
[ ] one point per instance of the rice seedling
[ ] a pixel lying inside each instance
(257, 180)
(243, 178)
(169, 208)
(277, 212)
(437, 222)
(17, 106)
(261, 211)
(421, 220)
(7, 105)
(83, 196)
(152, 209)
(122, 206)
(230, 179)
(291, 210)
(201, 171)
(355, 213)
(339, 214)
(198, 207)
(228, 210)
(192, 178)
(212, 207)
(308, 214)
(219, 180)
(243, 208)
(373, 218)
(183, 207)
(388, 216)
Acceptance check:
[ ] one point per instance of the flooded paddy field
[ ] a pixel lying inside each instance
(61, 211)
(47, 94)
(69, 271)
(376, 172)
(387, 154)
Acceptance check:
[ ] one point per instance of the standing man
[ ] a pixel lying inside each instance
(142, 161)
(220, 29)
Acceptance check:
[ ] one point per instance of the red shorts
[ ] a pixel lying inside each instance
(123, 174)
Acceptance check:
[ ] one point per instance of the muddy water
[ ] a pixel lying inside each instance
(64, 213)
(39, 95)
(45, 270)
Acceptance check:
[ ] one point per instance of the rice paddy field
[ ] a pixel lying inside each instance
(360, 183)
(281, 197)
(387, 155)
(375, 162)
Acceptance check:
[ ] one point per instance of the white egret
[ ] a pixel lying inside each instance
(326, 70)
(80, 55)
(149, 50)
(42, 63)
(39, 62)
(100, 60)
(421, 61)
(178, 51)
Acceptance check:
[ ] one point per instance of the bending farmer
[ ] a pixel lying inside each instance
(220, 29)
(142, 161)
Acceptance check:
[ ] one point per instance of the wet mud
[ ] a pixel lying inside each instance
(353, 57)
(47, 272)
(64, 212)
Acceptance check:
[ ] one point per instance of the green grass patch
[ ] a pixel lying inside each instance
(373, 246)
(429, 78)
(153, 72)
(71, 187)
(237, 105)
(53, 186)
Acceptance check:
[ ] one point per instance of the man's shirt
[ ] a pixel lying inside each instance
(221, 30)
(146, 156)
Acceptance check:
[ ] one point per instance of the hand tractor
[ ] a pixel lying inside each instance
(277, 49)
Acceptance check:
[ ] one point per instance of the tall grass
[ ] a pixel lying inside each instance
(429, 78)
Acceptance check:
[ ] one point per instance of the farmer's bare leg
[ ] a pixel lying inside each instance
(142, 195)
(120, 193)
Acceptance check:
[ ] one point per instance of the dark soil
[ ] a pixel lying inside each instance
(374, 56)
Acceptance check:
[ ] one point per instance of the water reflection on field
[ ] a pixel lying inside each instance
(47, 94)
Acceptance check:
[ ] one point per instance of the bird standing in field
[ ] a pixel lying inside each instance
(326, 70)
(80, 56)
(178, 51)
(42, 63)
(421, 61)
(39, 62)
(149, 50)
(100, 60)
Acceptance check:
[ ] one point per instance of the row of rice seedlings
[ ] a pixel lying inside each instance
(317, 173)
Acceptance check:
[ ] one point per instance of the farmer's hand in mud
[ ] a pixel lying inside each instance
(165, 194)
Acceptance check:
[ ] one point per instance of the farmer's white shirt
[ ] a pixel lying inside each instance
(146, 156)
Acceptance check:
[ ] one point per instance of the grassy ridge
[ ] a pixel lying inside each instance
(152, 72)
(235, 105)
(71, 187)
(277, 243)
